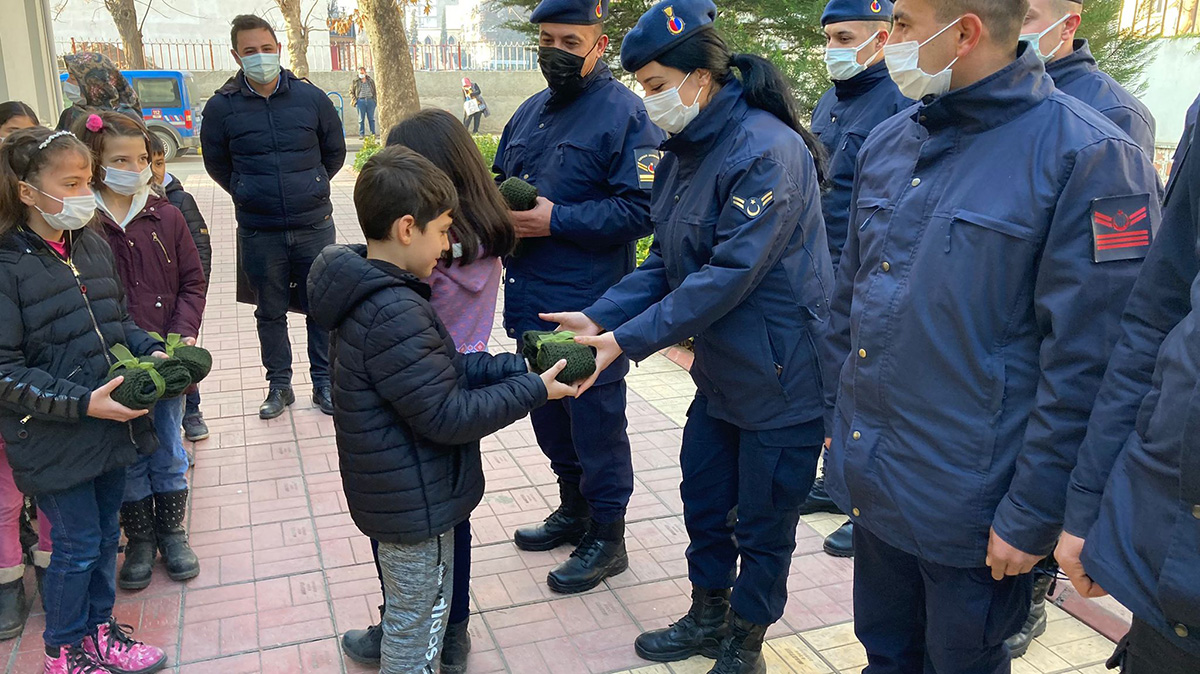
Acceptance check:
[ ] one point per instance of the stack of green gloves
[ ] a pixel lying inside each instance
(520, 195)
(150, 378)
(544, 349)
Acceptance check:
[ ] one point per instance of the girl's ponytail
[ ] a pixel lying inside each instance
(766, 89)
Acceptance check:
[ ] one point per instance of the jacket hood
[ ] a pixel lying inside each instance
(342, 278)
(100, 82)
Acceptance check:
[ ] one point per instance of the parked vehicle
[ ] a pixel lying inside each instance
(170, 107)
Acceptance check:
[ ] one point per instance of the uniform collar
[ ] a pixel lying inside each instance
(599, 76)
(992, 101)
(1074, 65)
(726, 108)
(861, 83)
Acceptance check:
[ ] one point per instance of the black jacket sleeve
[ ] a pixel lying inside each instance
(484, 369)
(196, 225)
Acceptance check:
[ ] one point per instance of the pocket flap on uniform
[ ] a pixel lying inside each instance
(1006, 227)
(871, 203)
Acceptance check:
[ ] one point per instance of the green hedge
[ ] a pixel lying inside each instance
(486, 143)
(643, 248)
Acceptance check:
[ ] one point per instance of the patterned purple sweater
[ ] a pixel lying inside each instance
(464, 297)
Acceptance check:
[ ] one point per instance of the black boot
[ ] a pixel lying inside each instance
(455, 648)
(13, 609)
(841, 542)
(137, 520)
(363, 646)
(169, 510)
(563, 526)
(41, 561)
(277, 401)
(741, 652)
(600, 554)
(700, 631)
(818, 500)
(1035, 624)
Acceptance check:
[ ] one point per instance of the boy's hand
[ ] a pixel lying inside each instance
(102, 406)
(554, 388)
(575, 321)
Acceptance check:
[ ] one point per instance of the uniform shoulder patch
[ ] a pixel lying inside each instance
(647, 162)
(1121, 228)
(753, 207)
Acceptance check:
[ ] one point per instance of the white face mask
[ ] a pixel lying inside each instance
(667, 110)
(1035, 40)
(842, 62)
(903, 61)
(72, 92)
(127, 183)
(75, 214)
(261, 68)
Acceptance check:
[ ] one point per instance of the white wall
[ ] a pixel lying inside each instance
(27, 69)
(1172, 83)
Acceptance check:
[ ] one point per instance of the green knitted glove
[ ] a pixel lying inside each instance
(520, 195)
(198, 360)
(551, 347)
(174, 372)
(143, 385)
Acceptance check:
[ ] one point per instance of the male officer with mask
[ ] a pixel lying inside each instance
(996, 229)
(586, 143)
(1049, 28)
(862, 96)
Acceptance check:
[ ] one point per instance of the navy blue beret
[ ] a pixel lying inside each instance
(574, 12)
(856, 10)
(663, 26)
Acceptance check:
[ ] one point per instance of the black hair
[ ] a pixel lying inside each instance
(765, 87)
(481, 220)
(22, 158)
(1002, 17)
(397, 182)
(243, 22)
(156, 146)
(113, 125)
(11, 109)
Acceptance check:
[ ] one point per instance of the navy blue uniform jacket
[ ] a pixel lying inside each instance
(1135, 493)
(739, 262)
(582, 154)
(1076, 74)
(970, 324)
(843, 119)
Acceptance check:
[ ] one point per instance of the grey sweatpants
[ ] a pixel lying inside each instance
(418, 584)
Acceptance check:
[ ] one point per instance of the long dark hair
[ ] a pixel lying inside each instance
(22, 157)
(765, 87)
(481, 220)
(11, 109)
(113, 125)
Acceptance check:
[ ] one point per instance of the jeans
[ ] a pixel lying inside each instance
(467, 119)
(366, 113)
(165, 470)
(274, 262)
(417, 597)
(81, 583)
(460, 604)
(12, 504)
(193, 402)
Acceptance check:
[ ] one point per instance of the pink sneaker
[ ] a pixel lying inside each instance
(72, 660)
(112, 648)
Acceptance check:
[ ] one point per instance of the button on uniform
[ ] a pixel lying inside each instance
(1181, 630)
(886, 266)
(855, 512)
(916, 181)
(1196, 511)
(862, 353)
(856, 435)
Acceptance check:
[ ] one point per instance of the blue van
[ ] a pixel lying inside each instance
(170, 106)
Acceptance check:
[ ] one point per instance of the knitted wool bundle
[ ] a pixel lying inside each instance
(175, 374)
(520, 195)
(197, 360)
(544, 349)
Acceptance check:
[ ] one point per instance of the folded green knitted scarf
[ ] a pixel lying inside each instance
(143, 384)
(175, 374)
(543, 349)
(520, 195)
(197, 360)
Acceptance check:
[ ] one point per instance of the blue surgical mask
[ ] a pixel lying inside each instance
(1035, 40)
(261, 68)
(842, 62)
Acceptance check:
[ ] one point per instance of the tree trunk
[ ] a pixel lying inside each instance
(1187, 17)
(297, 36)
(395, 83)
(124, 14)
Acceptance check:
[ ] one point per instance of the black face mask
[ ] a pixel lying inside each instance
(562, 69)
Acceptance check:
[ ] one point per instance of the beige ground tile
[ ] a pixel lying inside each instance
(826, 638)
(824, 523)
(652, 669)
(693, 665)
(846, 657)
(1054, 613)
(1041, 660)
(1085, 651)
(796, 655)
(1063, 631)
(1096, 669)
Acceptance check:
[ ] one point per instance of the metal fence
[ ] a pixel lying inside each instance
(333, 56)
(1161, 18)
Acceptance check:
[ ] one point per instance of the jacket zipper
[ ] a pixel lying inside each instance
(160, 245)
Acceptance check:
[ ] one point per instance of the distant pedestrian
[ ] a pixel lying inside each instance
(362, 92)
(474, 107)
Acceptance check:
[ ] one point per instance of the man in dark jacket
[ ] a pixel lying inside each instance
(1134, 495)
(410, 409)
(273, 141)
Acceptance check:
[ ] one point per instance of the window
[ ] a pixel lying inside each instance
(158, 92)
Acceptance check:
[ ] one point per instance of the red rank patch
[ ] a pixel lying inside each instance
(1121, 228)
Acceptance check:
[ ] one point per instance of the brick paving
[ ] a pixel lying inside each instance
(285, 571)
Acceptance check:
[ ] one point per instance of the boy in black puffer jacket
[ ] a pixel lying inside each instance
(409, 410)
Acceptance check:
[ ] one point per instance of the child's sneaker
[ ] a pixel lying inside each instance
(112, 647)
(72, 660)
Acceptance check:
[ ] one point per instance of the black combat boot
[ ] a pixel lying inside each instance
(700, 631)
(563, 526)
(600, 554)
(170, 508)
(137, 520)
(13, 608)
(456, 646)
(741, 651)
(364, 646)
(1035, 624)
(818, 500)
(841, 542)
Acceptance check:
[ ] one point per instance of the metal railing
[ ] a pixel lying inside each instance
(1161, 18)
(332, 56)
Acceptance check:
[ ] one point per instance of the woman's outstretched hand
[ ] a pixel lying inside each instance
(574, 321)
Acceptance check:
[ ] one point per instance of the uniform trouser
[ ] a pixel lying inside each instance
(1144, 650)
(164, 471)
(273, 261)
(417, 600)
(766, 476)
(586, 441)
(915, 616)
(460, 604)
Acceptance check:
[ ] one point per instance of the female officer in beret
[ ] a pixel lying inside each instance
(740, 262)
